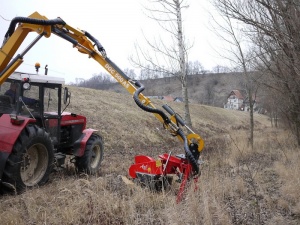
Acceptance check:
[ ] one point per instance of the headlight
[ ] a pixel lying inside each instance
(26, 86)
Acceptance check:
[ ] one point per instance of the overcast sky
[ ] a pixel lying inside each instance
(117, 24)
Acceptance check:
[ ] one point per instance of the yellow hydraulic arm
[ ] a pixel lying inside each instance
(85, 43)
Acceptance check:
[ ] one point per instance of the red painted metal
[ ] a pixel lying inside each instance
(88, 133)
(167, 164)
(145, 164)
(187, 173)
(10, 131)
(73, 119)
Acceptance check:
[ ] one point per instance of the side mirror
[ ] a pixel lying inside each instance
(67, 95)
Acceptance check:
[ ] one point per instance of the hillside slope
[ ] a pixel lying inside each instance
(238, 185)
(123, 124)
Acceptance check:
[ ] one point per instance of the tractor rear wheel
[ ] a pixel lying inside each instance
(93, 156)
(31, 160)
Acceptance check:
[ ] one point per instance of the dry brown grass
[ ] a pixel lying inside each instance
(237, 186)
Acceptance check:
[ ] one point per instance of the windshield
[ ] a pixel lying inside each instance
(51, 100)
(32, 102)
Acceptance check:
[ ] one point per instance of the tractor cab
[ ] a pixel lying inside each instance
(31, 95)
(36, 134)
(38, 97)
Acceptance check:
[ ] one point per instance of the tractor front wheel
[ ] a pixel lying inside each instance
(93, 156)
(31, 160)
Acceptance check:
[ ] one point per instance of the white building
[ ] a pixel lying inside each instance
(235, 100)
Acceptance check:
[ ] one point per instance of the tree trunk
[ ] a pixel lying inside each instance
(182, 62)
(187, 116)
(251, 104)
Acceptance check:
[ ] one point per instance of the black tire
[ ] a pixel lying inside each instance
(93, 155)
(31, 160)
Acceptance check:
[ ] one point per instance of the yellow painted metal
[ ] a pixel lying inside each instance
(40, 29)
(198, 139)
(10, 47)
(10, 70)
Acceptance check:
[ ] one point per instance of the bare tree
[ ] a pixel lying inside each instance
(168, 59)
(210, 92)
(273, 26)
(145, 73)
(220, 69)
(239, 55)
(195, 68)
(130, 73)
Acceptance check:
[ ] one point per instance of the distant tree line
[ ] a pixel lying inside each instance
(103, 80)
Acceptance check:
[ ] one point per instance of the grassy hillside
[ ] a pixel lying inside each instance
(237, 186)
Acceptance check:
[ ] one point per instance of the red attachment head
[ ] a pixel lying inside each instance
(145, 164)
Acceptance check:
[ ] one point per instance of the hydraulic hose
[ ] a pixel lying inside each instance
(98, 44)
(57, 21)
(120, 72)
(17, 20)
(189, 154)
(147, 108)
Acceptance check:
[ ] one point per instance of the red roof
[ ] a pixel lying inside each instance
(237, 93)
(168, 98)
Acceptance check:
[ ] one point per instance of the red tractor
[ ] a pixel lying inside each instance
(36, 134)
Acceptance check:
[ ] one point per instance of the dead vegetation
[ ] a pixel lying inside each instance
(237, 185)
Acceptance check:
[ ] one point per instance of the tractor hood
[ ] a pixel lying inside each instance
(72, 119)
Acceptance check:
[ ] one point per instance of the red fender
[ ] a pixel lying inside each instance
(80, 144)
(10, 129)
